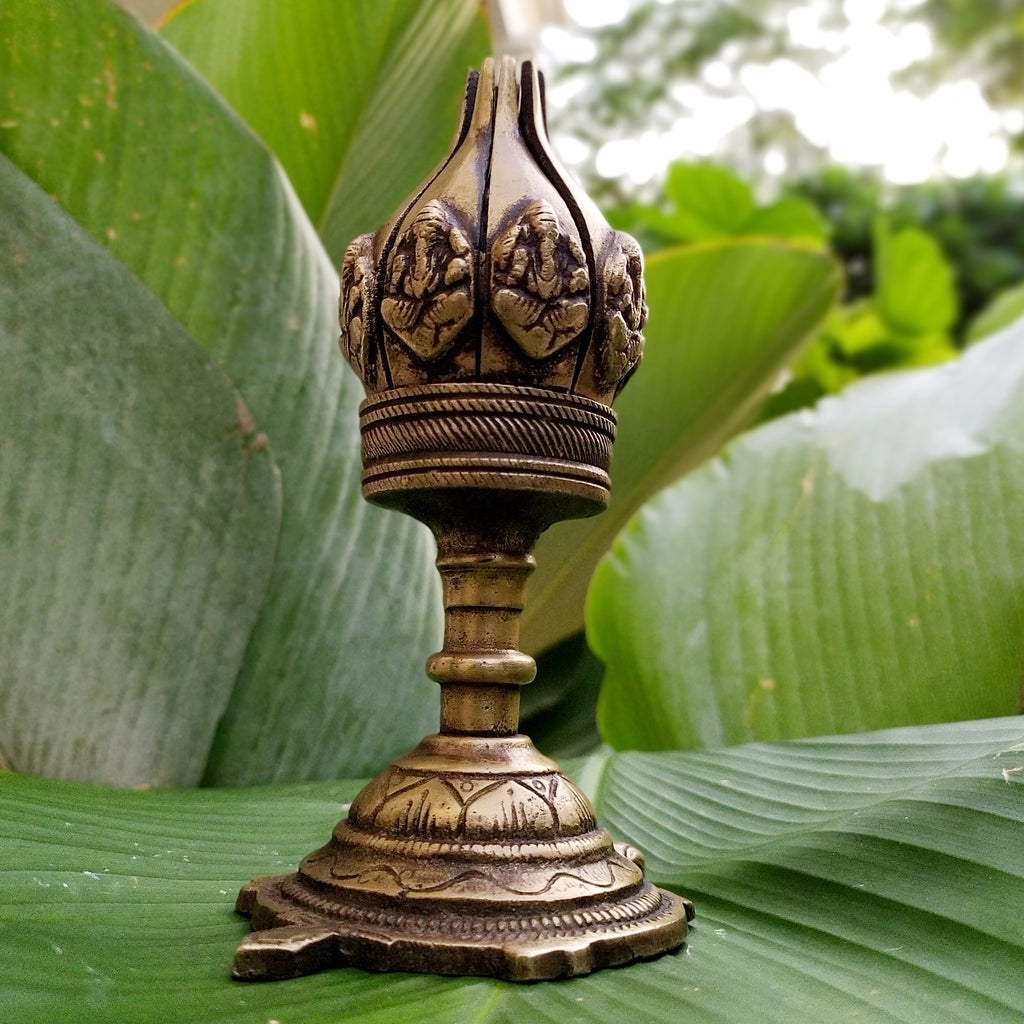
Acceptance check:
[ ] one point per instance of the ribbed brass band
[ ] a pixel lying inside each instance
(584, 488)
(481, 417)
(484, 436)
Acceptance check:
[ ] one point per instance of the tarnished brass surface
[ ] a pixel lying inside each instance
(471, 855)
(492, 320)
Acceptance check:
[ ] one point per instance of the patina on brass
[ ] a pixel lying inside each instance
(492, 320)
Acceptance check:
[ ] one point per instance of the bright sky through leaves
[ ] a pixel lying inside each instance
(853, 109)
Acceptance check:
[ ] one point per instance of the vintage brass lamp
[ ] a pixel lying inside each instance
(492, 320)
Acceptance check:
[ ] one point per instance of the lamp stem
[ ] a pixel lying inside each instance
(480, 668)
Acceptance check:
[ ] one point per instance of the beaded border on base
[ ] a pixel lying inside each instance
(298, 937)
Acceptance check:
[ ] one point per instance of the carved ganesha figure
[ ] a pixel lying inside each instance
(625, 311)
(355, 304)
(429, 293)
(539, 282)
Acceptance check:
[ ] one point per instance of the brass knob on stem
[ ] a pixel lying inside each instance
(481, 667)
(492, 320)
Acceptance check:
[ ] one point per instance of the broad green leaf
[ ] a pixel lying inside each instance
(667, 227)
(872, 877)
(923, 350)
(788, 217)
(358, 100)
(856, 329)
(107, 118)
(708, 201)
(858, 341)
(138, 514)
(914, 288)
(1006, 307)
(855, 566)
(559, 710)
(725, 319)
(875, 878)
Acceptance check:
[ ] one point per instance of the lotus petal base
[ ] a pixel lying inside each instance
(471, 855)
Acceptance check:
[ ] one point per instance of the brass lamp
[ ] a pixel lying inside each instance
(492, 320)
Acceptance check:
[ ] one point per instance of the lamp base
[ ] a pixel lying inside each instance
(470, 856)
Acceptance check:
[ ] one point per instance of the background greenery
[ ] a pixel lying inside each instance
(196, 593)
(632, 84)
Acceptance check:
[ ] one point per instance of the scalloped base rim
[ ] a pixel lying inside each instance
(292, 939)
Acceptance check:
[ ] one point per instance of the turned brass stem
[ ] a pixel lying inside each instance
(475, 710)
(480, 667)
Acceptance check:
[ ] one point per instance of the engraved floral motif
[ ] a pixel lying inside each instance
(385, 877)
(355, 304)
(429, 294)
(461, 806)
(625, 311)
(539, 282)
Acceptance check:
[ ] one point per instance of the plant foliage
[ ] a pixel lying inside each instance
(874, 877)
(843, 568)
(195, 592)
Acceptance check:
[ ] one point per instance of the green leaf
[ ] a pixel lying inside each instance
(107, 118)
(358, 100)
(856, 566)
(708, 201)
(789, 217)
(859, 342)
(560, 711)
(914, 288)
(138, 514)
(655, 227)
(874, 877)
(1006, 307)
(725, 319)
(921, 350)
(856, 329)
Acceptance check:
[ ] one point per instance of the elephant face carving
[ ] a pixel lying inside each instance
(540, 287)
(428, 297)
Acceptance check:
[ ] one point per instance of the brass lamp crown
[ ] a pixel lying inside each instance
(499, 269)
(492, 319)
